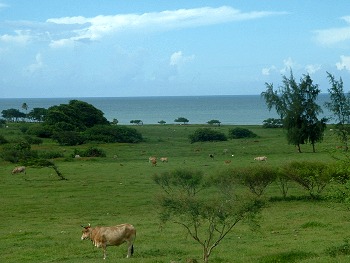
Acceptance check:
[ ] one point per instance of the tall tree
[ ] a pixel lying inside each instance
(296, 104)
(340, 107)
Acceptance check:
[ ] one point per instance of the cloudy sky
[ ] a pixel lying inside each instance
(119, 48)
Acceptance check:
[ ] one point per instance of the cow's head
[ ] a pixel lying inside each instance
(86, 232)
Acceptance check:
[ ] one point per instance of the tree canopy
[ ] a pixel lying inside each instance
(77, 115)
(296, 104)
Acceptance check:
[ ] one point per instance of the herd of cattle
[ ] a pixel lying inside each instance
(103, 236)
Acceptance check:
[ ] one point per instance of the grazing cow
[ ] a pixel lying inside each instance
(19, 169)
(211, 156)
(111, 236)
(151, 158)
(164, 159)
(260, 158)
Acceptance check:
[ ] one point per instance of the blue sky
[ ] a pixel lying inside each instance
(120, 48)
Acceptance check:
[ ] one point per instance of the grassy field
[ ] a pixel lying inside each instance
(41, 216)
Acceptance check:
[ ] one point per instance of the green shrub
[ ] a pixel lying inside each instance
(3, 139)
(256, 178)
(110, 134)
(90, 152)
(68, 138)
(33, 140)
(50, 155)
(40, 130)
(238, 133)
(312, 176)
(207, 134)
(18, 152)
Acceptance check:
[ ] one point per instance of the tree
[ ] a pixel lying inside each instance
(25, 107)
(296, 104)
(212, 122)
(137, 122)
(78, 115)
(181, 119)
(37, 114)
(12, 115)
(161, 122)
(208, 212)
(340, 107)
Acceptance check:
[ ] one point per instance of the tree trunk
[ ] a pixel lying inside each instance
(299, 150)
(205, 255)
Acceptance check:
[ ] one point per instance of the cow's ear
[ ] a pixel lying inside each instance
(89, 225)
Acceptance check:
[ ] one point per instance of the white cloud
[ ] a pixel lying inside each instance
(267, 71)
(334, 35)
(289, 64)
(344, 63)
(100, 26)
(37, 65)
(20, 37)
(177, 58)
(311, 69)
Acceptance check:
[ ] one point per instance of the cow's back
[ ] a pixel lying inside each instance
(116, 235)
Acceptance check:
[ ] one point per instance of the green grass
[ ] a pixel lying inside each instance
(40, 216)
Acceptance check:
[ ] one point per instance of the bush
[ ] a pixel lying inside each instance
(207, 134)
(33, 140)
(312, 176)
(68, 138)
(3, 139)
(51, 155)
(110, 134)
(256, 178)
(18, 152)
(90, 152)
(238, 133)
(40, 131)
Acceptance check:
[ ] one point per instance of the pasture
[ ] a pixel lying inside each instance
(41, 216)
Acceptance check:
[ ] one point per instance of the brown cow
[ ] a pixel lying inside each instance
(164, 159)
(19, 169)
(111, 236)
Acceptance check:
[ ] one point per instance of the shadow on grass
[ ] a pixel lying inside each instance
(306, 198)
(287, 257)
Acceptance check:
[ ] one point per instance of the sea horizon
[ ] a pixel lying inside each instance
(198, 109)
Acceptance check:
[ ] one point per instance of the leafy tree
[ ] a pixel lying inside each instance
(37, 114)
(296, 104)
(12, 115)
(206, 134)
(212, 122)
(340, 107)
(181, 119)
(208, 212)
(137, 122)
(78, 114)
(68, 138)
(115, 121)
(161, 122)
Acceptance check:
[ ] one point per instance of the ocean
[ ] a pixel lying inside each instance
(230, 109)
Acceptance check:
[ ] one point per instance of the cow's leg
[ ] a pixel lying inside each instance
(130, 249)
(104, 252)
